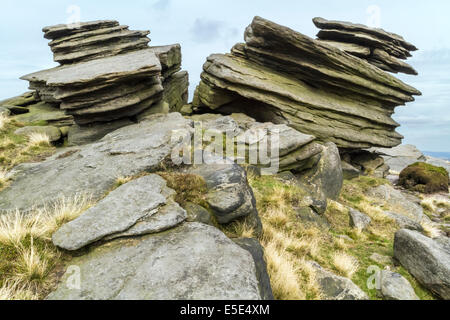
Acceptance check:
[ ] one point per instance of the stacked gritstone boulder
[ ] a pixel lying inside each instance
(282, 76)
(109, 76)
(378, 47)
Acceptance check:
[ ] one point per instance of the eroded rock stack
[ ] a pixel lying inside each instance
(282, 76)
(378, 47)
(110, 73)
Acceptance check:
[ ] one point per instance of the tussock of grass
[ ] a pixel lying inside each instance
(346, 264)
(288, 243)
(27, 255)
(4, 120)
(283, 274)
(431, 229)
(38, 139)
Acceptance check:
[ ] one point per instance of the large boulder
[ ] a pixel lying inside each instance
(425, 178)
(229, 195)
(426, 259)
(395, 287)
(191, 262)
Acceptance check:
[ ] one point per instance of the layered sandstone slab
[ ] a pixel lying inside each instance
(385, 48)
(283, 76)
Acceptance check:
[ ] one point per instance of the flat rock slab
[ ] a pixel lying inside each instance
(426, 259)
(119, 211)
(140, 63)
(174, 265)
(167, 217)
(61, 30)
(93, 169)
(343, 25)
(398, 202)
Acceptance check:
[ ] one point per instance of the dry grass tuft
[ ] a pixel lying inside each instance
(38, 139)
(14, 290)
(345, 264)
(283, 274)
(4, 120)
(27, 255)
(431, 229)
(3, 177)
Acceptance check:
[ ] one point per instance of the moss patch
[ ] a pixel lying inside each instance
(189, 187)
(425, 178)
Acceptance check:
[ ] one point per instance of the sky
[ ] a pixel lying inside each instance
(203, 27)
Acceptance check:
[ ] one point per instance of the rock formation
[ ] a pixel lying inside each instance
(282, 76)
(378, 47)
(109, 73)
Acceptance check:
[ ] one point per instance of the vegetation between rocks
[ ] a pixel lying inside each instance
(28, 258)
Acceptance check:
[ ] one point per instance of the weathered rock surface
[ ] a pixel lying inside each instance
(282, 76)
(359, 220)
(398, 202)
(394, 286)
(383, 260)
(334, 287)
(400, 157)
(325, 180)
(172, 265)
(80, 135)
(256, 250)
(43, 112)
(404, 222)
(93, 169)
(385, 48)
(122, 212)
(228, 194)
(426, 259)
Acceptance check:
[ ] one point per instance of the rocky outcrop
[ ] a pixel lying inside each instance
(426, 259)
(108, 73)
(380, 48)
(191, 262)
(282, 76)
(93, 169)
